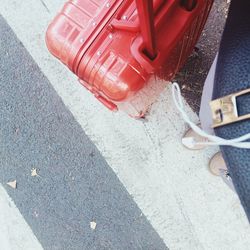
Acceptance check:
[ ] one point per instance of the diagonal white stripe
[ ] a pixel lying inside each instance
(15, 234)
(189, 208)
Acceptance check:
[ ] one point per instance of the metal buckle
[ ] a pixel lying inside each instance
(225, 111)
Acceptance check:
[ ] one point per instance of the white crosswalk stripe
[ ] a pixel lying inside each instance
(15, 234)
(189, 208)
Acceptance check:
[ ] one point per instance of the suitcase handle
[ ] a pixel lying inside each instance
(146, 19)
(189, 5)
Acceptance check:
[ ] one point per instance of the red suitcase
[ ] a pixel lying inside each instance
(117, 48)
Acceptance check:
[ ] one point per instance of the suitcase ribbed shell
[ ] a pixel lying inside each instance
(100, 42)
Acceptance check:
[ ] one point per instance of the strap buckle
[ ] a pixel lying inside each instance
(225, 110)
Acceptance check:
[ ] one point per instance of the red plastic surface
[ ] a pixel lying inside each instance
(145, 10)
(103, 43)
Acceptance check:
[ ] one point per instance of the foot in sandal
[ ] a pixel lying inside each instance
(217, 165)
(197, 138)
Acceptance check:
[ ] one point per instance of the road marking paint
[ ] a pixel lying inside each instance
(15, 233)
(189, 208)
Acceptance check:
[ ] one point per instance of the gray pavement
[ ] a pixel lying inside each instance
(75, 185)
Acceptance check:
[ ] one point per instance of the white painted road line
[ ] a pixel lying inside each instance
(15, 234)
(189, 208)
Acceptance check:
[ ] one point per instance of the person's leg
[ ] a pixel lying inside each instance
(217, 165)
(205, 112)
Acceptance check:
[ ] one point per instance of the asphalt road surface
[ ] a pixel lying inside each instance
(75, 186)
(104, 181)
